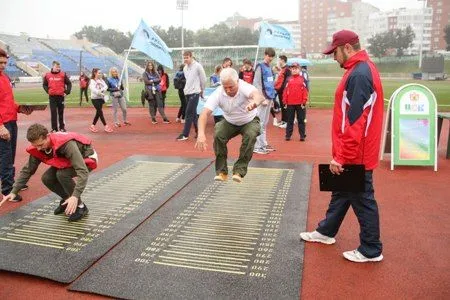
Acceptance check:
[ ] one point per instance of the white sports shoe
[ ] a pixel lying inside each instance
(315, 236)
(275, 122)
(356, 256)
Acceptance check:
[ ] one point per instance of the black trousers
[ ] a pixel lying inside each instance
(98, 104)
(57, 112)
(291, 111)
(182, 110)
(366, 210)
(283, 110)
(84, 91)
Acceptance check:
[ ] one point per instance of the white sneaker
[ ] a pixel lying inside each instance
(315, 236)
(356, 256)
(275, 122)
(282, 125)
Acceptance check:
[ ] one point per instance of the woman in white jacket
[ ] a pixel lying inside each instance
(98, 88)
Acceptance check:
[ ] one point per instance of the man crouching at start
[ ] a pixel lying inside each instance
(69, 155)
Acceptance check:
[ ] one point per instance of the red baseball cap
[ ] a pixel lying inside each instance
(341, 38)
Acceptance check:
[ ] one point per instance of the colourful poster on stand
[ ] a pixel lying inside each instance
(413, 126)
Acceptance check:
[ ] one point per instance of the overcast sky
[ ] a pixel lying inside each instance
(59, 19)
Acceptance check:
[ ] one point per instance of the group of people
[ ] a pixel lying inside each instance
(57, 85)
(356, 133)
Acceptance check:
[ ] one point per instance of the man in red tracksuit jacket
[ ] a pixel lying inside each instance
(8, 129)
(356, 135)
(295, 96)
(57, 85)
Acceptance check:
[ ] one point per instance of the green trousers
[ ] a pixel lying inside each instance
(225, 131)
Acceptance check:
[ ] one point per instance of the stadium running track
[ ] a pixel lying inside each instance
(413, 203)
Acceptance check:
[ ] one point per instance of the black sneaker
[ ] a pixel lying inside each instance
(60, 209)
(62, 130)
(288, 138)
(154, 121)
(79, 213)
(17, 198)
(181, 137)
(166, 121)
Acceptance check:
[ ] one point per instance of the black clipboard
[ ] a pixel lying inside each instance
(351, 180)
(33, 107)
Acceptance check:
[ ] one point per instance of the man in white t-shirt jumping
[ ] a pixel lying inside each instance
(238, 100)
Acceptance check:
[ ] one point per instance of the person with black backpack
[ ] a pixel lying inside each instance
(179, 81)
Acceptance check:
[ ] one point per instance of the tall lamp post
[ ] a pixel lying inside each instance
(182, 5)
(423, 30)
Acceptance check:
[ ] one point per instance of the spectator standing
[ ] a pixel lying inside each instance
(247, 73)
(8, 129)
(214, 79)
(153, 91)
(115, 88)
(179, 82)
(280, 85)
(264, 82)
(57, 85)
(84, 84)
(227, 63)
(356, 134)
(164, 84)
(195, 85)
(98, 89)
(295, 97)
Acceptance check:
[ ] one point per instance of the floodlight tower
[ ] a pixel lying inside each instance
(182, 5)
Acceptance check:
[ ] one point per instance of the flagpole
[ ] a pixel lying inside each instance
(127, 91)
(256, 57)
(125, 63)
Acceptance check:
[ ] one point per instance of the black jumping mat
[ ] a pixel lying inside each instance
(221, 240)
(34, 241)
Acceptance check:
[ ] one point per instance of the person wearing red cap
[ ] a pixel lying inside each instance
(295, 96)
(356, 135)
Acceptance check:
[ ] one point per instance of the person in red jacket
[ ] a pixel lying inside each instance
(356, 134)
(295, 96)
(57, 85)
(164, 84)
(280, 85)
(69, 155)
(8, 129)
(84, 84)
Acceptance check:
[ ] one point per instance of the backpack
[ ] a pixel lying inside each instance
(179, 81)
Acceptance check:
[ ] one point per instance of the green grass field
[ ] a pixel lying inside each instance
(322, 93)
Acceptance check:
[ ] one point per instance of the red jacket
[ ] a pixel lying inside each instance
(358, 113)
(58, 140)
(56, 83)
(247, 76)
(8, 107)
(295, 92)
(280, 83)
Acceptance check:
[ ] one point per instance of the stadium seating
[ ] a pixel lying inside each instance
(12, 70)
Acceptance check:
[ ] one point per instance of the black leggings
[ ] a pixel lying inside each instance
(98, 104)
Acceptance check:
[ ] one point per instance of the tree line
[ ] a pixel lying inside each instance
(217, 35)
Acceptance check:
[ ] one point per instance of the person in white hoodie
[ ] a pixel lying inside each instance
(98, 88)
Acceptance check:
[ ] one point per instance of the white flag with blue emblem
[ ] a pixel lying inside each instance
(148, 42)
(275, 36)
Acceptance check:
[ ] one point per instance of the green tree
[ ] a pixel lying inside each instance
(447, 36)
(116, 40)
(378, 44)
(402, 39)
